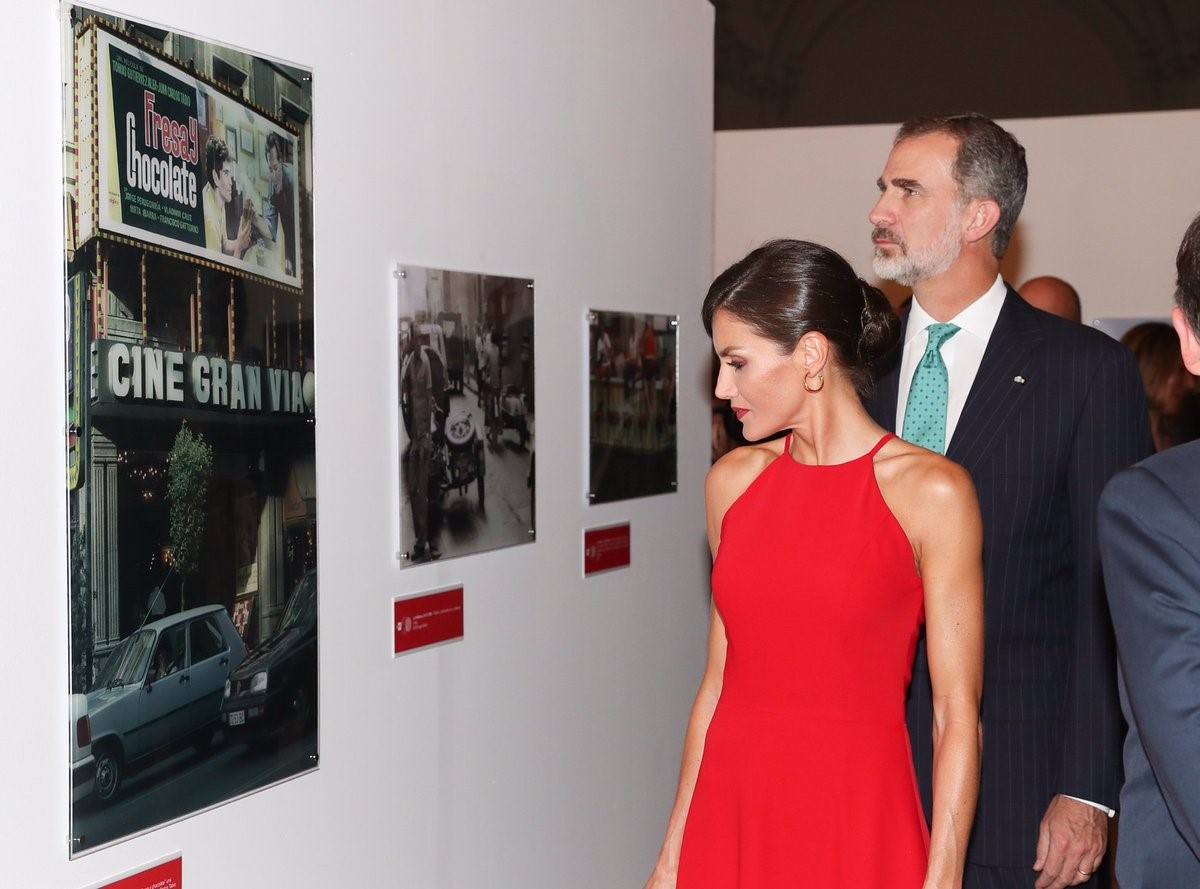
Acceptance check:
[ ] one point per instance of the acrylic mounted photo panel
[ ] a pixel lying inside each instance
(632, 376)
(191, 463)
(466, 391)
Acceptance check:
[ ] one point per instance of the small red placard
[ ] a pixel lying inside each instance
(168, 875)
(427, 619)
(605, 548)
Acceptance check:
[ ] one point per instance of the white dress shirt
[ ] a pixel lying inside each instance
(962, 354)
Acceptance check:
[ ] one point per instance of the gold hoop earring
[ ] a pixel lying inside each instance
(820, 383)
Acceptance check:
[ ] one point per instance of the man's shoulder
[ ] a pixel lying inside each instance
(1160, 485)
(1178, 467)
(1080, 339)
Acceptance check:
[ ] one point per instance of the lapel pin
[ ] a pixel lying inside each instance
(1019, 379)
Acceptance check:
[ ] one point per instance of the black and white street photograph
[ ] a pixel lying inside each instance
(632, 370)
(466, 389)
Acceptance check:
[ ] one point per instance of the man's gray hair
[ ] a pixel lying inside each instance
(990, 164)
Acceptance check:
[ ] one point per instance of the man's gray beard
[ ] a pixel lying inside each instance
(898, 268)
(909, 269)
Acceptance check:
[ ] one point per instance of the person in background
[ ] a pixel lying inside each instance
(495, 383)
(215, 198)
(279, 207)
(1150, 534)
(418, 389)
(1041, 412)
(648, 355)
(1168, 383)
(1053, 295)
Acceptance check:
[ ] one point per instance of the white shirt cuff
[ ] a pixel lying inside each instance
(1105, 809)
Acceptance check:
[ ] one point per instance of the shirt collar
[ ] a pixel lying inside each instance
(977, 319)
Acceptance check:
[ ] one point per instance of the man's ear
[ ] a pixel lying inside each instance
(1189, 340)
(982, 216)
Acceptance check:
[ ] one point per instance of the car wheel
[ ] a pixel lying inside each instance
(108, 775)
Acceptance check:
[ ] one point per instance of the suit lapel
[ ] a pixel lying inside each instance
(882, 405)
(1003, 377)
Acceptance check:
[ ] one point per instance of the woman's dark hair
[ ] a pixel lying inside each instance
(1156, 348)
(786, 289)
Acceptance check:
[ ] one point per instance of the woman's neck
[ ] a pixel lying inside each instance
(836, 428)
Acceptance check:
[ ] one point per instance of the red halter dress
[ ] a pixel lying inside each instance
(807, 779)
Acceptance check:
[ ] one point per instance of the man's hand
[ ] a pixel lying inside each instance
(243, 238)
(1071, 843)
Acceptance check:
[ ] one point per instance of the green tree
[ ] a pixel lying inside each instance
(188, 474)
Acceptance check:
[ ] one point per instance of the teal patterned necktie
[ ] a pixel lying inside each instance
(925, 412)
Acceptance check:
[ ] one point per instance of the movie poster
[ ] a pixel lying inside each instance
(632, 361)
(190, 387)
(183, 165)
(466, 388)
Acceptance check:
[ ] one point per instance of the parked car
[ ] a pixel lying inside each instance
(275, 691)
(161, 687)
(83, 764)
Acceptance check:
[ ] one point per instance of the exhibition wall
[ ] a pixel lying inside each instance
(1109, 198)
(567, 144)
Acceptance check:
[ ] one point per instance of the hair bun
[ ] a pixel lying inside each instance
(880, 325)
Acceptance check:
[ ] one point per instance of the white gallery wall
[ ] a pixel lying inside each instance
(569, 142)
(1109, 199)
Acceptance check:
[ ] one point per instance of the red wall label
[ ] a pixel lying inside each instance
(427, 619)
(605, 548)
(168, 875)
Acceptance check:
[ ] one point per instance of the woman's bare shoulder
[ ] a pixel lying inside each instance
(737, 470)
(913, 473)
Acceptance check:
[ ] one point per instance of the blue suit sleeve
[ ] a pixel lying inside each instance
(1150, 543)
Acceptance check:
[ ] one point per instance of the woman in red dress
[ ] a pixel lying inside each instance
(831, 547)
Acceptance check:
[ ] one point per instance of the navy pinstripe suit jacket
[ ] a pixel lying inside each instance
(1040, 452)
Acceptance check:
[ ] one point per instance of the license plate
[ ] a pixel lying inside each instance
(237, 717)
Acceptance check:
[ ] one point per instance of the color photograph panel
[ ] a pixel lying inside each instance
(191, 470)
(632, 379)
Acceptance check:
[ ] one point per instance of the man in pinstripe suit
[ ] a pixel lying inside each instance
(1041, 412)
(1150, 528)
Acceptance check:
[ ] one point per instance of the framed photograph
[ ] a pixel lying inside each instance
(466, 393)
(1118, 327)
(632, 377)
(191, 480)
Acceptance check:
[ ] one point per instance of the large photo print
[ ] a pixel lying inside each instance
(467, 412)
(191, 471)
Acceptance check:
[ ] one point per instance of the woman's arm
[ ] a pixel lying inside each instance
(667, 866)
(950, 554)
(727, 479)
